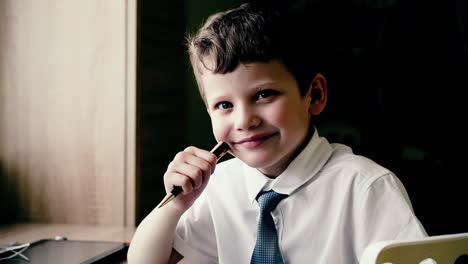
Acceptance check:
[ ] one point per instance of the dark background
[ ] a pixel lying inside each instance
(396, 73)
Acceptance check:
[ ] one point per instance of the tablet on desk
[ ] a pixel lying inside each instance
(53, 251)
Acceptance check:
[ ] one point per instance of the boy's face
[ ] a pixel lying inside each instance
(259, 112)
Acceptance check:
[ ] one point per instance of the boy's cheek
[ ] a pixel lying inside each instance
(220, 130)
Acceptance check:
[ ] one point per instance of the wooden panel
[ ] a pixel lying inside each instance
(130, 109)
(63, 92)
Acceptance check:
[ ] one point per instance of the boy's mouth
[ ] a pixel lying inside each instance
(255, 140)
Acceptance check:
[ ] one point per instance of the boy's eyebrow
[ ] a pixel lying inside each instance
(257, 86)
(262, 85)
(218, 98)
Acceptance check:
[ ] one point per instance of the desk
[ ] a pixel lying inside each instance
(30, 232)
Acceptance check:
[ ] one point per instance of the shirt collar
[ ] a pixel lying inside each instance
(303, 168)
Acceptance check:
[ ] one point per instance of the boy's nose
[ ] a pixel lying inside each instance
(246, 118)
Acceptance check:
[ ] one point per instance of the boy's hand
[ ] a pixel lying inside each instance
(191, 170)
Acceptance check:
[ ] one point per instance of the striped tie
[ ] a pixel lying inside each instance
(266, 249)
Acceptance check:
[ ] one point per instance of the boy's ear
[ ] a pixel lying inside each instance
(318, 94)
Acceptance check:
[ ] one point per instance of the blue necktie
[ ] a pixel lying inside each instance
(266, 249)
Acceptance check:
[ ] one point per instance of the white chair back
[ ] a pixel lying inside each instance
(442, 249)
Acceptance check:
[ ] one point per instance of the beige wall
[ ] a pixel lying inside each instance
(67, 106)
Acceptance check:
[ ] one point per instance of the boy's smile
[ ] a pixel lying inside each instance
(255, 140)
(258, 110)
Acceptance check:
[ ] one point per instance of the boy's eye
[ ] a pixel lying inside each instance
(223, 105)
(266, 93)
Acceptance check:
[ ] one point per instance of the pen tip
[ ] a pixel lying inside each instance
(166, 200)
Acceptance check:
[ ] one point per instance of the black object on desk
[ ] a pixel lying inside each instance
(53, 251)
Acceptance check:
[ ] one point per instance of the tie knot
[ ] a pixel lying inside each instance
(269, 200)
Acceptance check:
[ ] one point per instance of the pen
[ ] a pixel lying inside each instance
(219, 150)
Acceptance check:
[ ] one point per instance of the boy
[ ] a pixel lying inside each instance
(260, 96)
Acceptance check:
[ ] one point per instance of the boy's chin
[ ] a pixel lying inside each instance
(264, 165)
(254, 164)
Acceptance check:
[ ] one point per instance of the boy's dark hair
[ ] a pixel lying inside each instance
(250, 34)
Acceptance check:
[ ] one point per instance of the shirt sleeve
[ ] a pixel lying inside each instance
(384, 213)
(194, 236)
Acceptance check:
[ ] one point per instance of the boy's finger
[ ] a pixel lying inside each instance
(202, 159)
(181, 180)
(206, 167)
(201, 153)
(194, 173)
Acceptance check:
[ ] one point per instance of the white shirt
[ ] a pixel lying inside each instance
(338, 203)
